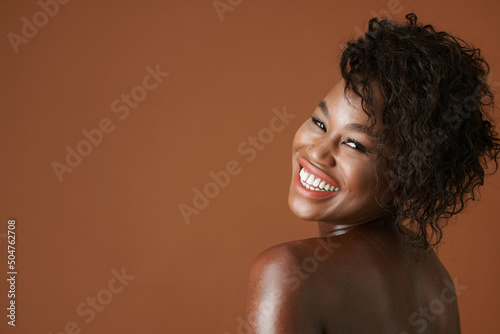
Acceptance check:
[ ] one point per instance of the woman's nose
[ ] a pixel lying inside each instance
(322, 152)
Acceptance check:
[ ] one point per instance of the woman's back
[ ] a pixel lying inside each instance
(357, 282)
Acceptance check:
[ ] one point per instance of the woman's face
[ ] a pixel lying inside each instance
(334, 163)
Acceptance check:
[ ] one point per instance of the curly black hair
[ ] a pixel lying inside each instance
(438, 136)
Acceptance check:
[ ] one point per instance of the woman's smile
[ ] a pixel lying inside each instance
(336, 178)
(312, 182)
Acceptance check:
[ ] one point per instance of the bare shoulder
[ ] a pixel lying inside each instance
(358, 281)
(339, 258)
(278, 301)
(291, 284)
(289, 255)
(304, 266)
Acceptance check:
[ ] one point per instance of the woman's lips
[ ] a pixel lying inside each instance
(311, 182)
(318, 173)
(303, 191)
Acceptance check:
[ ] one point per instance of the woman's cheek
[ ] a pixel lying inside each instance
(300, 138)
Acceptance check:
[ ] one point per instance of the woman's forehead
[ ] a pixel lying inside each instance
(347, 101)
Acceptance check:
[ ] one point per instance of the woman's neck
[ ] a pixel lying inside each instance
(330, 228)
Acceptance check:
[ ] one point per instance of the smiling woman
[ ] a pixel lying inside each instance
(338, 147)
(397, 147)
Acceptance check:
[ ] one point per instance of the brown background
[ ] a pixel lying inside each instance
(119, 207)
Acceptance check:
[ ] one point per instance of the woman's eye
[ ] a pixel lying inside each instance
(355, 145)
(318, 123)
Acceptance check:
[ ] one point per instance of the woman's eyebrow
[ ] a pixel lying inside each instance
(361, 128)
(324, 109)
(352, 126)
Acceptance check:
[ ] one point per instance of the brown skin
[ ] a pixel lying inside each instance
(353, 278)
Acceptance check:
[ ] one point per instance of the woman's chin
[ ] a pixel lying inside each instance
(302, 210)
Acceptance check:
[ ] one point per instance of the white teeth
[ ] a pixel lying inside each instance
(314, 183)
(302, 172)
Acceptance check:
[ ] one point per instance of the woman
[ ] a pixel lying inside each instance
(396, 148)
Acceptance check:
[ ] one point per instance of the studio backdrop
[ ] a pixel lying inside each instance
(146, 156)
